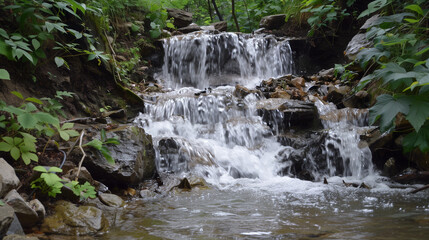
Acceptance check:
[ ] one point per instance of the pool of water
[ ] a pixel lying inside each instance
(285, 208)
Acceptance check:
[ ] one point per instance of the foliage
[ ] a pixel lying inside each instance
(400, 57)
(21, 126)
(101, 145)
(1, 203)
(49, 183)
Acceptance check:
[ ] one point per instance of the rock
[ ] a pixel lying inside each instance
(8, 178)
(147, 194)
(272, 21)
(208, 28)
(184, 184)
(27, 216)
(75, 221)
(111, 200)
(241, 91)
(84, 175)
(19, 237)
(181, 18)
(282, 114)
(390, 169)
(326, 75)
(6, 217)
(280, 93)
(359, 100)
(37, 206)
(188, 29)
(15, 227)
(221, 26)
(298, 82)
(370, 22)
(111, 213)
(336, 95)
(358, 42)
(134, 158)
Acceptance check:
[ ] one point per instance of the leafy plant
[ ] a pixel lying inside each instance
(49, 183)
(4, 74)
(101, 145)
(84, 191)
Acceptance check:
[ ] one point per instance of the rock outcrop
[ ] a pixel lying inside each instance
(181, 18)
(8, 178)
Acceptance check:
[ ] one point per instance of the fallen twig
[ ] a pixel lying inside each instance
(420, 189)
(84, 154)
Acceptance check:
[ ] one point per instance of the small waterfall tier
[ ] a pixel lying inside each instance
(205, 60)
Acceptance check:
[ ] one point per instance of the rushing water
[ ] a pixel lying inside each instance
(253, 190)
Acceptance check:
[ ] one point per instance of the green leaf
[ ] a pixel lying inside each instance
(97, 144)
(386, 109)
(46, 118)
(420, 139)
(373, 7)
(3, 33)
(40, 169)
(51, 179)
(28, 156)
(419, 111)
(59, 61)
(15, 153)
(106, 153)
(36, 44)
(18, 94)
(27, 120)
(4, 74)
(416, 8)
(35, 100)
(64, 135)
(55, 169)
(67, 126)
(5, 147)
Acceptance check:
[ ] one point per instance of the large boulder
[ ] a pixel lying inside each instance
(8, 178)
(181, 18)
(26, 214)
(134, 158)
(6, 218)
(190, 28)
(359, 41)
(75, 221)
(272, 21)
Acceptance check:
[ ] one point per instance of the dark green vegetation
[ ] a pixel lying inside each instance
(37, 33)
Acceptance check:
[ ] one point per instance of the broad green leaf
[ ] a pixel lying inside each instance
(97, 144)
(15, 153)
(51, 178)
(49, 26)
(67, 126)
(420, 139)
(27, 120)
(18, 94)
(9, 140)
(59, 61)
(419, 111)
(386, 109)
(64, 135)
(76, 34)
(5, 147)
(373, 7)
(46, 118)
(36, 44)
(105, 152)
(72, 133)
(55, 169)
(40, 169)
(30, 107)
(3, 33)
(4, 74)
(27, 157)
(416, 8)
(35, 100)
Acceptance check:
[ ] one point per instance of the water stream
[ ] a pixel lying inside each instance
(254, 169)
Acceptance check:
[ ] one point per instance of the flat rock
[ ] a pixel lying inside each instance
(6, 217)
(8, 178)
(181, 18)
(272, 21)
(190, 28)
(27, 216)
(111, 200)
(39, 208)
(75, 221)
(221, 26)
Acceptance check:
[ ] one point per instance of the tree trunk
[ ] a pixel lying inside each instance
(210, 10)
(234, 16)
(217, 10)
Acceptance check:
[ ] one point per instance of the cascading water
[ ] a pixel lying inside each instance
(252, 150)
(220, 136)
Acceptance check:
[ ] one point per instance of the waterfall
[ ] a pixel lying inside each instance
(203, 60)
(220, 136)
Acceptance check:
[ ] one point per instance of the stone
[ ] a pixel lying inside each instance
(8, 178)
(27, 216)
(181, 18)
(280, 93)
(19, 237)
(336, 95)
(75, 221)
(111, 200)
(273, 21)
(84, 175)
(190, 28)
(298, 82)
(134, 158)
(111, 213)
(326, 75)
(147, 194)
(358, 42)
(6, 217)
(39, 208)
(241, 91)
(359, 100)
(221, 26)
(15, 227)
(370, 22)
(390, 169)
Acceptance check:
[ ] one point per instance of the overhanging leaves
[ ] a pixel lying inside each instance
(386, 109)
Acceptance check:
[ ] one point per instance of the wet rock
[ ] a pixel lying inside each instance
(181, 18)
(19, 237)
(298, 82)
(75, 221)
(280, 93)
(184, 184)
(39, 208)
(191, 28)
(358, 42)
(6, 217)
(359, 100)
(111, 213)
(221, 26)
(390, 169)
(282, 114)
(272, 21)
(111, 200)
(147, 194)
(134, 158)
(336, 95)
(326, 75)
(27, 216)
(84, 175)
(15, 227)
(241, 91)
(8, 178)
